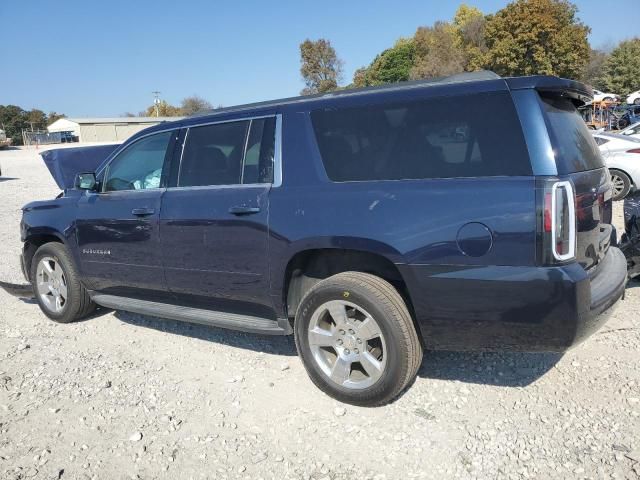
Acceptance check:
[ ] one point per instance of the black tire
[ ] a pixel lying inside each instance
(78, 304)
(620, 178)
(382, 301)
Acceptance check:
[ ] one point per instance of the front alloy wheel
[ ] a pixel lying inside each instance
(51, 284)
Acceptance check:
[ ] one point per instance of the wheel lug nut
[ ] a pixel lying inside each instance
(341, 332)
(347, 351)
(351, 332)
(359, 340)
(356, 351)
(339, 341)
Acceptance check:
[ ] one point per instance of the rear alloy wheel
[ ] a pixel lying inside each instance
(621, 184)
(356, 339)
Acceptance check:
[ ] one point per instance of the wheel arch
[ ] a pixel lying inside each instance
(307, 267)
(34, 240)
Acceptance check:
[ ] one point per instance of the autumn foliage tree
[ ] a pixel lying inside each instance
(531, 37)
(321, 69)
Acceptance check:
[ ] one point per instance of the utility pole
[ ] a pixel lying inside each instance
(156, 102)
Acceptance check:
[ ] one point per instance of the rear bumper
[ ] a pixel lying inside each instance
(513, 308)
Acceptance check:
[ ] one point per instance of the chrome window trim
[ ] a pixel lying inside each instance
(277, 154)
(125, 146)
(244, 151)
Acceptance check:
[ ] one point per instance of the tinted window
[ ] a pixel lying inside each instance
(139, 166)
(259, 159)
(213, 155)
(574, 147)
(464, 136)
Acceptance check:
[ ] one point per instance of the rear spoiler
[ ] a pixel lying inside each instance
(576, 91)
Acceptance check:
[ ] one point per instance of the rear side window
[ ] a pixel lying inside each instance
(464, 136)
(231, 153)
(574, 147)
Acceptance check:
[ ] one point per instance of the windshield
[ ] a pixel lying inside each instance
(574, 148)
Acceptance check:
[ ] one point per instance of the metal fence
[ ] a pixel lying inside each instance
(41, 137)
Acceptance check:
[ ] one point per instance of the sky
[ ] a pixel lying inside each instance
(104, 58)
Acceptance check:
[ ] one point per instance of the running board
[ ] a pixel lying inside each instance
(232, 321)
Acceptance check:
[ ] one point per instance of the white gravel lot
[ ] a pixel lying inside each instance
(126, 396)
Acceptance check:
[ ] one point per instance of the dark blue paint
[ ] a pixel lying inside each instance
(466, 249)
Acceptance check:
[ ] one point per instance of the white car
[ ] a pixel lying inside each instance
(634, 98)
(632, 131)
(599, 96)
(622, 155)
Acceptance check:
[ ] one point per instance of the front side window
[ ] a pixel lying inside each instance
(464, 136)
(139, 166)
(230, 153)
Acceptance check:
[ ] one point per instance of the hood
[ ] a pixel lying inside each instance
(65, 163)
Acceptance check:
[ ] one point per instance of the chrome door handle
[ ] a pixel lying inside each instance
(143, 212)
(244, 210)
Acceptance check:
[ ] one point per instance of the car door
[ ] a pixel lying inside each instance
(117, 227)
(214, 218)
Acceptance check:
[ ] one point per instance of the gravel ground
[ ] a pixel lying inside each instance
(127, 396)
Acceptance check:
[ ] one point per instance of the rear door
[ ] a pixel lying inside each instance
(214, 218)
(117, 228)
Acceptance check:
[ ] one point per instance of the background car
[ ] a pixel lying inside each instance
(632, 131)
(599, 96)
(622, 156)
(633, 98)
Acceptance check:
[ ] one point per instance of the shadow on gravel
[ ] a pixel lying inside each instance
(6, 179)
(509, 369)
(277, 345)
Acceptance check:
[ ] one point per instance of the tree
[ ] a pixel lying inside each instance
(469, 25)
(436, 53)
(621, 71)
(194, 104)
(321, 69)
(530, 37)
(164, 110)
(594, 69)
(392, 65)
(53, 116)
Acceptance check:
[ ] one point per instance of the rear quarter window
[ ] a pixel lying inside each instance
(574, 147)
(463, 136)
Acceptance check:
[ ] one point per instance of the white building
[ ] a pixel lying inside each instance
(105, 129)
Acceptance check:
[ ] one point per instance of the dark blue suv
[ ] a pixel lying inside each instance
(472, 212)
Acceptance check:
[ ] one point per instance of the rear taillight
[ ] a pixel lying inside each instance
(634, 150)
(557, 233)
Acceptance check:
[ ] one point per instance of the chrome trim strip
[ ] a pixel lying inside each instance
(184, 142)
(277, 154)
(244, 151)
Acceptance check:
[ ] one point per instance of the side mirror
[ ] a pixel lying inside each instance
(86, 181)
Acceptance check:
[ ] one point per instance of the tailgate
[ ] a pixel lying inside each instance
(593, 215)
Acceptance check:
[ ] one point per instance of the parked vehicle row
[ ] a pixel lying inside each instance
(622, 155)
(368, 223)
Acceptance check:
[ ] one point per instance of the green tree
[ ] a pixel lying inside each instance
(436, 53)
(321, 69)
(621, 71)
(530, 37)
(194, 104)
(392, 65)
